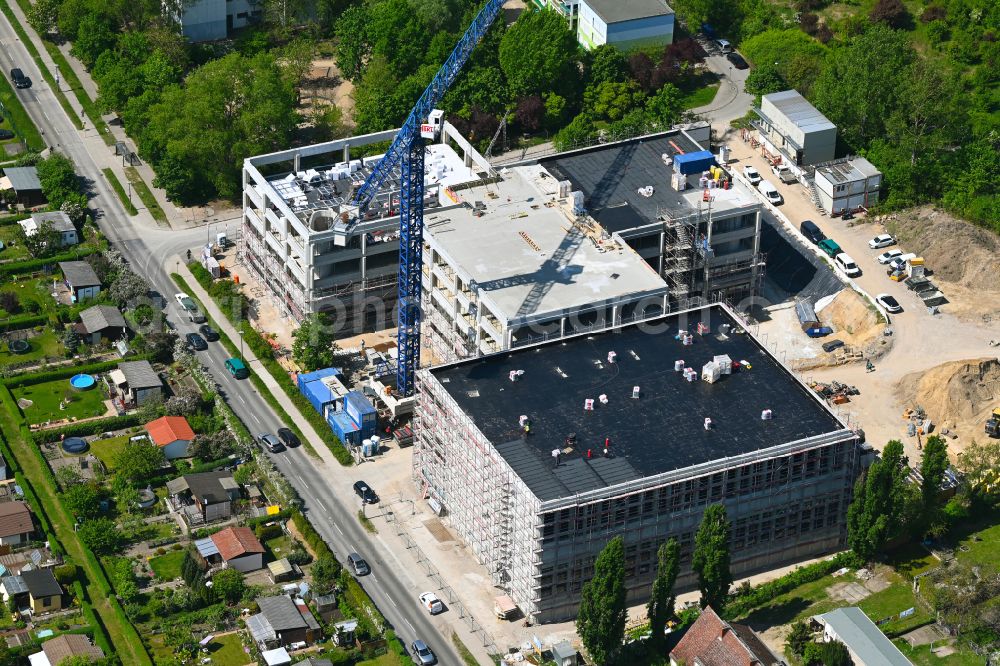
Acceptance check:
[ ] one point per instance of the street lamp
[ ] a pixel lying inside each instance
(241, 345)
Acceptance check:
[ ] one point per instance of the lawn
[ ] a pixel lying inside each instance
(46, 344)
(388, 659)
(890, 602)
(47, 396)
(982, 547)
(167, 567)
(228, 651)
(692, 99)
(13, 249)
(36, 290)
(922, 656)
(107, 450)
(279, 546)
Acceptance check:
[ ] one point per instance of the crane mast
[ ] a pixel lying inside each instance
(407, 150)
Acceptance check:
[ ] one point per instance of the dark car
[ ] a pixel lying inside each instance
(832, 344)
(737, 60)
(208, 332)
(811, 231)
(358, 564)
(288, 437)
(365, 492)
(196, 341)
(19, 79)
(6, 134)
(270, 442)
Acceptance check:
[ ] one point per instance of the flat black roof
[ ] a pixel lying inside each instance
(610, 177)
(661, 431)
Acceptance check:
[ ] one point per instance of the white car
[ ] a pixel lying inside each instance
(844, 262)
(770, 193)
(882, 240)
(889, 303)
(185, 302)
(430, 601)
(751, 174)
(889, 255)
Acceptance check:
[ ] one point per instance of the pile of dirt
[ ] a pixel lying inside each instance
(852, 318)
(956, 251)
(957, 395)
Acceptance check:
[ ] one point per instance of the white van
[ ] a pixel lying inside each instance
(770, 193)
(724, 45)
(846, 264)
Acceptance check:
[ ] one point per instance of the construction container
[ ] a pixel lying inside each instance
(710, 372)
(806, 313)
(696, 162)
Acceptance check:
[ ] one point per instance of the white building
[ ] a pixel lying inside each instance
(209, 20)
(847, 185)
(625, 25)
(795, 129)
(864, 640)
(60, 223)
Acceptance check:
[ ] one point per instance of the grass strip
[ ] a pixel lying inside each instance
(257, 381)
(120, 191)
(46, 74)
(37, 474)
(145, 194)
(467, 657)
(366, 522)
(20, 121)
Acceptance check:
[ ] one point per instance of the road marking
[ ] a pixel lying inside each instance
(337, 527)
(391, 601)
(375, 580)
(353, 549)
(244, 400)
(409, 625)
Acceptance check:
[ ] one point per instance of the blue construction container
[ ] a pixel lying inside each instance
(344, 428)
(315, 391)
(689, 163)
(362, 412)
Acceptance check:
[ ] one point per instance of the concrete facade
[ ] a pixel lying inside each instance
(625, 25)
(796, 129)
(210, 20)
(537, 525)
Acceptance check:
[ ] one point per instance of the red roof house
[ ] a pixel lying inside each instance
(172, 434)
(711, 641)
(239, 548)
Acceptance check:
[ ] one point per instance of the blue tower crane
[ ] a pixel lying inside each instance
(407, 150)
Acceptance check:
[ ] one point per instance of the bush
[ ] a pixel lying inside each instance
(88, 428)
(265, 532)
(65, 574)
(161, 551)
(311, 536)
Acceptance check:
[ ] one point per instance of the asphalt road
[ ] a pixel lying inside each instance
(332, 514)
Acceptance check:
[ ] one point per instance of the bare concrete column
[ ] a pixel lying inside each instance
(297, 161)
(347, 152)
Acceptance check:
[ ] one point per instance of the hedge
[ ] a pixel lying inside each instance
(311, 536)
(267, 532)
(25, 321)
(33, 265)
(66, 372)
(6, 220)
(741, 604)
(100, 636)
(87, 428)
(281, 516)
(208, 466)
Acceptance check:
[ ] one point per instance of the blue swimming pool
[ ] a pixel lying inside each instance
(82, 382)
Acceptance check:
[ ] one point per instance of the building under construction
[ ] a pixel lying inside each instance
(539, 456)
(536, 250)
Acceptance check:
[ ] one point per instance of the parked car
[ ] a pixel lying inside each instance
(358, 565)
(6, 134)
(770, 193)
(846, 264)
(196, 341)
(899, 263)
(811, 231)
(737, 60)
(752, 174)
(188, 305)
(830, 345)
(724, 45)
(784, 174)
(365, 492)
(422, 654)
(829, 247)
(19, 79)
(882, 240)
(288, 438)
(208, 332)
(887, 256)
(270, 442)
(889, 303)
(237, 368)
(430, 601)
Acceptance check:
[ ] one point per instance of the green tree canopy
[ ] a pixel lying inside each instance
(665, 105)
(600, 621)
(325, 571)
(661, 602)
(139, 460)
(101, 535)
(59, 181)
(833, 653)
(579, 131)
(314, 344)
(538, 54)
(797, 57)
(798, 638)
(710, 560)
(876, 513)
(83, 500)
(228, 585)
(933, 464)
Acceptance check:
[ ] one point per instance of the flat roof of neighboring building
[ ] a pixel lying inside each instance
(863, 637)
(527, 258)
(848, 171)
(610, 178)
(616, 11)
(661, 431)
(799, 111)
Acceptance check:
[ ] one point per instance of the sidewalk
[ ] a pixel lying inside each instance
(101, 153)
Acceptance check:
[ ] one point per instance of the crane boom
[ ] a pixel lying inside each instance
(407, 150)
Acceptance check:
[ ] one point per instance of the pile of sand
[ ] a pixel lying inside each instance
(956, 251)
(853, 319)
(958, 395)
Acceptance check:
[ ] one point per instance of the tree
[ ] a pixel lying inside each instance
(555, 110)
(933, 464)
(93, 37)
(75, 660)
(579, 132)
(530, 113)
(43, 16)
(797, 57)
(352, 48)
(891, 12)
(600, 621)
(799, 637)
(641, 67)
(538, 54)
(315, 345)
(930, 116)
(607, 63)
(661, 602)
(228, 584)
(875, 514)
(59, 181)
(44, 242)
(101, 535)
(9, 302)
(245, 474)
(612, 100)
(83, 500)
(139, 460)
(325, 571)
(71, 341)
(666, 105)
(723, 15)
(833, 653)
(764, 80)
(710, 560)
(127, 289)
(980, 465)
